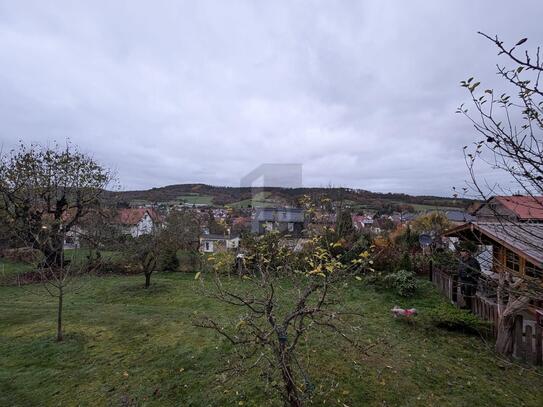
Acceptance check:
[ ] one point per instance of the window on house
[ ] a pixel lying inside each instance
(496, 260)
(207, 246)
(533, 271)
(512, 261)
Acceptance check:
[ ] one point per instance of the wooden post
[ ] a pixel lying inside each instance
(431, 268)
(454, 289)
(538, 345)
(528, 350)
(518, 342)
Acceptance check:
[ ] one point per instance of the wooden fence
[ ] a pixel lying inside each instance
(528, 341)
(444, 283)
(528, 337)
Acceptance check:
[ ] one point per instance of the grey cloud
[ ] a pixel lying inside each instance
(362, 94)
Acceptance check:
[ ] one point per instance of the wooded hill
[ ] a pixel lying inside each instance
(242, 197)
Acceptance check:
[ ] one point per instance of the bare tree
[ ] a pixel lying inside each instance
(285, 298)
(510, 141)
(46, 192)
(182, 231)
(145, 251)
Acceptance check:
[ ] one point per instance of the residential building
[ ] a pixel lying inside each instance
(284, 220)
(137, 221)
(459, 216)
(213, 243)
(516, 208)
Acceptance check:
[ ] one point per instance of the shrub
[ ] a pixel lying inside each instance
(168, 260)
(23, 255)
(405, 262)
(445, 260)
(386, 258)
(454, 319)
(223, 262)
(421, 263)
(403, 282)
(119, 265)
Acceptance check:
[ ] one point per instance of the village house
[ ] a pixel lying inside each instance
(214, 243)
(458, 217)
(137, 221)
(284, 220)
(516, 208)
(362, 221)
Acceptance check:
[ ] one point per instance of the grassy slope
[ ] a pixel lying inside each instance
(261, 199)
(196, 199)
(126, 344)
(9, 269)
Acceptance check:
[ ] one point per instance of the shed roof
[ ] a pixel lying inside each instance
(525, 239)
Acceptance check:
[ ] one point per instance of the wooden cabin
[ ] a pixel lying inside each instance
(517, 247)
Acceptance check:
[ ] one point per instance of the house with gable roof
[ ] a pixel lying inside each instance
(137, 221)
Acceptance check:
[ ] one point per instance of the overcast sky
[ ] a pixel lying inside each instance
(361, 93)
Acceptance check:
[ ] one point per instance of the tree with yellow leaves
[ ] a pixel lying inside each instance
(285, 298)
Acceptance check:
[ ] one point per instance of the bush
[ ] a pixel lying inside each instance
(445, 260)
(403, 282)
(454, 319)
(118, 265)
(168, 260)
(386, 258)
(421, 263)
(22, 255)
(405, 262)
(223, 262)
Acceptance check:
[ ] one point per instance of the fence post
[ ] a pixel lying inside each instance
(538, 345)
(454, 289)
(519, 343)
(528, 350)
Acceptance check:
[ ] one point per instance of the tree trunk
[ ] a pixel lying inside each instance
(292, 399)
(504, 341)
(506, 324)
(59, 315)
(147, 280)
(53, 258)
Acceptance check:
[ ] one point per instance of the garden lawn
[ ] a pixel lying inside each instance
(9, 270)
(127, 346)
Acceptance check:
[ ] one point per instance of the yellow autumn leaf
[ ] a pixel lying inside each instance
(197, 276)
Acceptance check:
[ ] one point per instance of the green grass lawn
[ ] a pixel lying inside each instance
(129, 346)
(259, 200)
(196, 199)
(79, 256)
(9, 270)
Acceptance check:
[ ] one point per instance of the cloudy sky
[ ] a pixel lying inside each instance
(361, 93)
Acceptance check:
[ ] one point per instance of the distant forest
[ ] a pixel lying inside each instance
(224, 196)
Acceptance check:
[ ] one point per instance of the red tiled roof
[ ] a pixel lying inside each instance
(524, 207)
(131, 216)
(241, 220)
